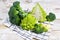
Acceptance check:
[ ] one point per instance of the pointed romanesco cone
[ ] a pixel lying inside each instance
(39, 13)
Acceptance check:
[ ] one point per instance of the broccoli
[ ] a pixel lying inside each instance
(16, 14)
(28, 22)
(50, 17)
(22, 14)
(17, 5)
(37, 29)
(40, 28)
(15, 20)
(13, 15)
(13, 11)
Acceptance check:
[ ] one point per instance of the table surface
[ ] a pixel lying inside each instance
(8, 34)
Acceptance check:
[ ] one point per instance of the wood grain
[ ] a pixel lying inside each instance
(2, 26)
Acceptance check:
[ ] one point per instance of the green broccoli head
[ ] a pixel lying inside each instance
(28, 22)
(15, 20)
(16, 14)
(13, 16)
(51, 17)
(22, 14)
(40, 28)
(36, 29)
(12, 11)
(17, 5)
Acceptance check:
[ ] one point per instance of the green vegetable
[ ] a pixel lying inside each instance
(28, 22)
(40, 28)
(13, 15)
(15, 20)
(38, 10)
(45, 27)
(51, 17)
(17, 6)
(16, 14)
(13, 11)
(22, 14)
(37, 29)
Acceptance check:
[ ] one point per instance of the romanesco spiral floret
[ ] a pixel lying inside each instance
(28, 22)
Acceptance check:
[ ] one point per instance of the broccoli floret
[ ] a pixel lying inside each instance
(37, 29)
(13, 11)
(28, 22)
(22, 14)
(40, 28)
(15, 20)
(16, 14)
(51, 17)
(13, 16)
(17, 5)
